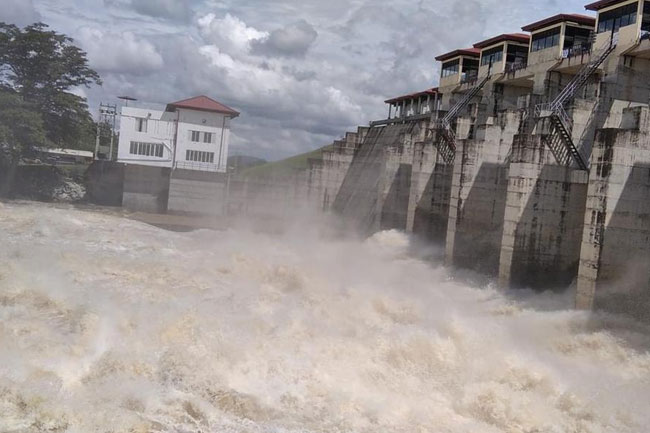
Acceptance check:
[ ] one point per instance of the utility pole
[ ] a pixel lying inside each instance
(107, 116)
(110, 152)
(97, 142)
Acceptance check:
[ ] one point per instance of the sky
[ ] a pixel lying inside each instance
(301, 72)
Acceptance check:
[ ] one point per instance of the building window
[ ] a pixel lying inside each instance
(450, 68)
(207, 137)
(544, 40)
(470, 69)
(195, 136)
(517, 55)
(577, 37)
(617, 18)
(199, 156)
(146, 149)
(490, 57)
(141, 124)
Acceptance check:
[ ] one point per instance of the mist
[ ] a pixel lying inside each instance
(109, 323)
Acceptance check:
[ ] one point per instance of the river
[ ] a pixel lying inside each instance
(111, 325)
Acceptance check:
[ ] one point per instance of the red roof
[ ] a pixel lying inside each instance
(602, 4)
(203, 103)
(470, 52)
(576, 18)
(512, 37)
(431, 91)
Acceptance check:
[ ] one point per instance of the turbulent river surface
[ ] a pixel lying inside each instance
(111, 325)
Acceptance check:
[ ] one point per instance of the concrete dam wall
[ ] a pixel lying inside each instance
(374, 194)
(513, 202)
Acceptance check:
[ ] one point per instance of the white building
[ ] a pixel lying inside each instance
(191, 134)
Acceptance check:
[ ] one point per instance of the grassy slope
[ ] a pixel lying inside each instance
(285, 166)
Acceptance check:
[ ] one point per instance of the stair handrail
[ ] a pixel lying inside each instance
(445, 127)
(453, 112)
(587, 70)
(447, 133)
(564, 118)
(540, 108)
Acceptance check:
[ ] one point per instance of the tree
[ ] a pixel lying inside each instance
(42, 67)
(21, 126)
(21, 129)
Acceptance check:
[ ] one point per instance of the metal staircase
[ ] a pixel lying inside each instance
(562, 125)
(446, 142)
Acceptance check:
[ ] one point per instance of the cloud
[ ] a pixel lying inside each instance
(123, 53)
(293, 40)
(301, 73)
(228, 33)
(175, 10)
(19, 12)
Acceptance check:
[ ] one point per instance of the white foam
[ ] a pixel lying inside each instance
(108, 323)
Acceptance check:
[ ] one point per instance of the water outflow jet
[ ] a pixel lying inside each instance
(110, 324)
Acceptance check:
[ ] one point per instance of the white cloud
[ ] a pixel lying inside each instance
(301, 73)
(228, 33)
(119, 52)
(18, 12)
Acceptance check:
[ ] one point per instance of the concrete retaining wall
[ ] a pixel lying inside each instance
(105, 183)
(196, 192)
(146, 189)
(375, 192)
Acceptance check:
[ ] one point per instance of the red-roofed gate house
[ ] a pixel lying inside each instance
(176, 159)
(191, 134)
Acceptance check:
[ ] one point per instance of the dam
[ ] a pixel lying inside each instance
(529, 162)
(475, 261)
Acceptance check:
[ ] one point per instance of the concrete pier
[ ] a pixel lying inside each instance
(543, 218)
(428, 211)
(614, 269)
(478, 195)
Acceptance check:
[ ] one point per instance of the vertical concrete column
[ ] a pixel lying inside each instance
(543, 218)
(422, 167)
(594, 227)
(615, 258)
(455, 204)
(478, 195)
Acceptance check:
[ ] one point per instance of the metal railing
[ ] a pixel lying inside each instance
(581, 78)
(511, 68)
(577, 51)
(563, 124)
(469, 78)
(566, 120)
(453, 112)
(446, 141)
(444, 126)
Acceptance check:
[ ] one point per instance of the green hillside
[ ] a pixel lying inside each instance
(285, 166)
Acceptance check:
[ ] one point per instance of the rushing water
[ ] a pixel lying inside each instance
(111, 325)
